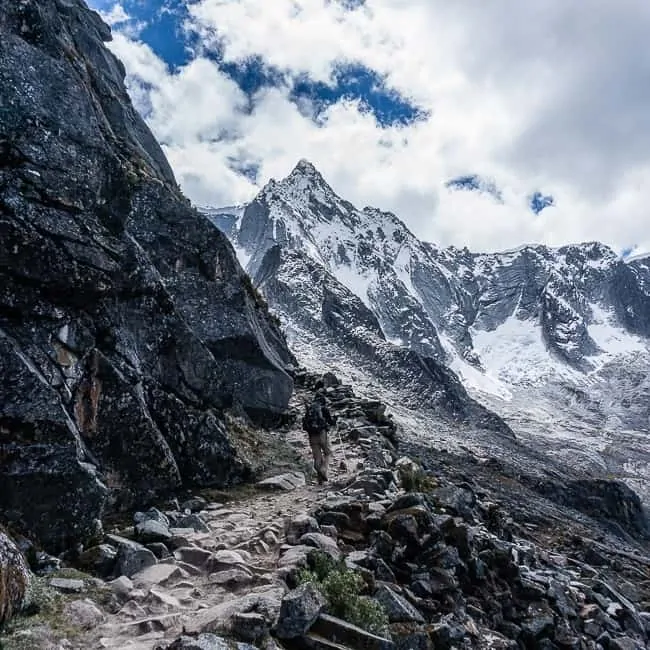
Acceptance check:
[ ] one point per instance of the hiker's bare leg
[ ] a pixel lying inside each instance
(326, 453)
(315, 444)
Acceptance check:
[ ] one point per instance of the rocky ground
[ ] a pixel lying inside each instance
(465, 555)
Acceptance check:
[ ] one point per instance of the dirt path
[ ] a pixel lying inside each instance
(244, 541)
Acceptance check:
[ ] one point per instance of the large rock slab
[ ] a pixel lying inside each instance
(337, 631)
(126, 321)
(159, 574)
(283, 482)
(219, 617)
(208, 642)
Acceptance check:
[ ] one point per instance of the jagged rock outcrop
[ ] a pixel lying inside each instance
(610, 501)
(126, 322)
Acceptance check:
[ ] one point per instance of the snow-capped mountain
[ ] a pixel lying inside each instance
(553, 340)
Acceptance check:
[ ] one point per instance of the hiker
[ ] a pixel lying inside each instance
(316, 423)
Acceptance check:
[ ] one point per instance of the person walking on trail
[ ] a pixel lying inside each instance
(316, 423)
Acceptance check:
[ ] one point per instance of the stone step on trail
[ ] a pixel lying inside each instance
(313, 641)
(338, 631)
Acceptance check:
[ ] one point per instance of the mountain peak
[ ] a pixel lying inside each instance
(303, 181)
(303, 177)
(305, 167)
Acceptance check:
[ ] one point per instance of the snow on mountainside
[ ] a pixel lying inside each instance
(553, 340)
(560, 310)
(551, 344)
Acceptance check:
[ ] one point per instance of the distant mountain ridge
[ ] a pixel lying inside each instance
(433, 300)
(554, 340)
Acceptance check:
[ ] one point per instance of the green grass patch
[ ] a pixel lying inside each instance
(344, 590)
(43, 622)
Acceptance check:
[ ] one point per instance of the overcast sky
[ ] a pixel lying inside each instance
(392, 99)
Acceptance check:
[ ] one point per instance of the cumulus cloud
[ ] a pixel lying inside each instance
(539, 96)
(115, 15)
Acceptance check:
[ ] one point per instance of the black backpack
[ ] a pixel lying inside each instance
(314, 419)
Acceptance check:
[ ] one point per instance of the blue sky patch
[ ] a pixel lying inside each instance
(161, 27)
(356, 82)
(475, 183)
(251, 74)
(539, 202)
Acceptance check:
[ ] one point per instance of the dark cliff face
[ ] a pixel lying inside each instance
(126, 322)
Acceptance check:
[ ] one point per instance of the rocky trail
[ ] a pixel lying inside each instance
(155, 484)
(462, 556)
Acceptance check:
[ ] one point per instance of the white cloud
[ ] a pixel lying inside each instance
(115, 16)
(537, 95)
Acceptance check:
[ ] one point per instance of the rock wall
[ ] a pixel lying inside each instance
(126, 322)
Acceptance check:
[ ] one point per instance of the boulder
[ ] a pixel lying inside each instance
(153, 514)
(195, 504)
(131, 556)
(397, 608)
(14, 578)
(181, 537)
(322, 543)
(297, 526)
(83, 614)
(250, 626)
(232, 578)
(295, 556)
(99, 559)
(458, 500)
(194, 522)
(539, 622)
(150, 531)
(122, 586)
(298, 611)
(159, 549)
(197, 557)
(283, 482)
